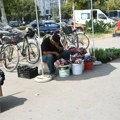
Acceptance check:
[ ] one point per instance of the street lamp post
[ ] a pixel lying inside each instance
(59, 3)
(73, 7)
(43, 77)
(93, 45)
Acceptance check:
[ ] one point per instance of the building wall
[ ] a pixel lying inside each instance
(44, 7)
(47, 7)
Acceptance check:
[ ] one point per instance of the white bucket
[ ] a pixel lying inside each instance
(77, 69)
(64, 71)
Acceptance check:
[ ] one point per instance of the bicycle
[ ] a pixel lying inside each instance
(74, 38)
(8, 55)
(29, 51)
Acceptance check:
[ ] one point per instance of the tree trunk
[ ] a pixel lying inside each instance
(3, 17)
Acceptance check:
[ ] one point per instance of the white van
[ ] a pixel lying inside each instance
(114, 14)
(81, 16)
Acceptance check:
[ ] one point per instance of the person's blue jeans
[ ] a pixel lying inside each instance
(50, 59)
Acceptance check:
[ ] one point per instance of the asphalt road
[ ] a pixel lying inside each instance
(94, 95)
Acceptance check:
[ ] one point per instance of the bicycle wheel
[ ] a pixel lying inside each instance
(82, 40)
(32, 53)
(10, 58)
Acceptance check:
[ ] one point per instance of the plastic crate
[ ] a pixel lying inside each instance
(26, 71)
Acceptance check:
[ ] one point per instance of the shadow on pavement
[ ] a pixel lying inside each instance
(9, 102)
(98, 71)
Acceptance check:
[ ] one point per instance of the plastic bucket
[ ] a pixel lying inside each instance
(77, 69)
(64, 71)
(88, 65)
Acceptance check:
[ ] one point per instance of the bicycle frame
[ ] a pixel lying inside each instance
(75, 39)
(66, 40)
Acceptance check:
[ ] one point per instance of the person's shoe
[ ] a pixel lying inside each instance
(53, 75)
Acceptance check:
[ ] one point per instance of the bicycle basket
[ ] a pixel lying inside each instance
(11, 40)
(30, 33)
(67, 29)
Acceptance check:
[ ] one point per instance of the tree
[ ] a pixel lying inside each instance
(20, 9)
(3, 14)
(113, 5)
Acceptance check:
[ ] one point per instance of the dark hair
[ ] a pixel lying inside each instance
(56, 37)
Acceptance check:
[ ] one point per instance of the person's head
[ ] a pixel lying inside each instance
(55, 38)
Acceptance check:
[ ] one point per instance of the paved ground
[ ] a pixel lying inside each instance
(94, 95)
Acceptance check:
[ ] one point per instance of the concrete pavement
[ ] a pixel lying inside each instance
(94, 95)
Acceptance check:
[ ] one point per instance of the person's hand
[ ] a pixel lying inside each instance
(57, 54)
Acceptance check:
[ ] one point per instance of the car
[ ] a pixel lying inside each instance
(3, 31)
(34, 22)
(45, 26)
(114, 14)
(14, 23)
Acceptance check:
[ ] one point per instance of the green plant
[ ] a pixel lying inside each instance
(105, 55)
(99, 27)
(110, 53)
(91, 51)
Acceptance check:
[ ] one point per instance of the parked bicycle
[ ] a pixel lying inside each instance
(28, 50)
(74, 38)
(8, 54)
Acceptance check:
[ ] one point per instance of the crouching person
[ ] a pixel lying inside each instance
(53, 50)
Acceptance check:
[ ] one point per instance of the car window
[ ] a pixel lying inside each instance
(53, 25)
(50, 25)
(85, 16)
(119, 14)
(101, 16)
(46, 25)
(42, 25)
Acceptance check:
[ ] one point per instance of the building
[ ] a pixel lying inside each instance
(47, 8)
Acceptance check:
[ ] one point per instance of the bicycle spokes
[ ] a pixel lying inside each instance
(32, 53)
(10, 58)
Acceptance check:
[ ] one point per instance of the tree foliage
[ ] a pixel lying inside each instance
(19, 9)
(113, 5)
(86, 4)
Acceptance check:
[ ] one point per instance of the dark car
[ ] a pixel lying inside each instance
(14, 23)
(45, 26)
(3, 31)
